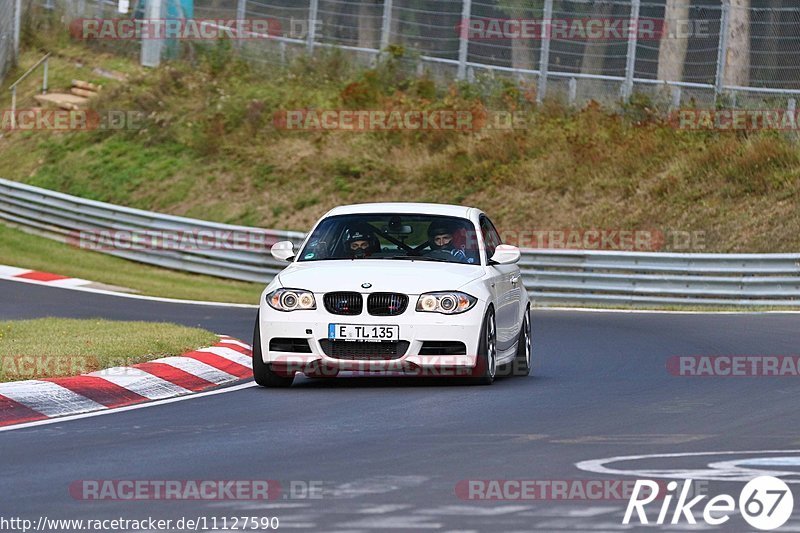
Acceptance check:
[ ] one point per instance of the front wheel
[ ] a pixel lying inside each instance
(521, 366)
(262, 373)
(486, 367)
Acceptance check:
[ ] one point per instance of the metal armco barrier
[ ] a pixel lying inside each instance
(552, 276)
(226, 251)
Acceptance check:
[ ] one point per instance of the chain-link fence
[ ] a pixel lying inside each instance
(683, 52)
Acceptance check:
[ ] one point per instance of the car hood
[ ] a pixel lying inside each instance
(408, 277)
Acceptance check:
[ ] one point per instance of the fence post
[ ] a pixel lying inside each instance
(151, 48)
(544, 55)
(241, 15)
(463, 44)
(722, 51)
(313, 11)
(17, 26)
(572, 96)
(386, 29)
(633, 38)
(46, 76)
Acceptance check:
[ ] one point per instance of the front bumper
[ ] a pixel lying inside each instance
(415, 328)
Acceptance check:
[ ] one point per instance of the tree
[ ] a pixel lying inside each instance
(522, 54)
(595, 50)
(369, 23)
(674, 41)
(737, 57)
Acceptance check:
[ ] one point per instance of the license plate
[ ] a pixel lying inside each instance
(353, 332)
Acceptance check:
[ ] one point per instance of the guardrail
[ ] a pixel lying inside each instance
(227, 251)
(551, 276)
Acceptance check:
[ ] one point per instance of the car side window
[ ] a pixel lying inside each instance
(491, 238)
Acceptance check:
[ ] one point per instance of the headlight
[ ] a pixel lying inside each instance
(447, 303)
(291, 300)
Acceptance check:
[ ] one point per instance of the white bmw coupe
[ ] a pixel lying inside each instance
(419, 289)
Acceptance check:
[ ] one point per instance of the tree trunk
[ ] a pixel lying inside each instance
(672, 50)
(369, 24)
(737, 59)
(521, 54)
(595, 50)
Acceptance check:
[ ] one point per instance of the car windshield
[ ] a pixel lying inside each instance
(393, 236)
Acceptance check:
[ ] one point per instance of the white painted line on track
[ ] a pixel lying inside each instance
(128, 408)
(663, 312)
(130, 296)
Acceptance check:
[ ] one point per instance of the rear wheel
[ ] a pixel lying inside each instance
(486, 367)
(262, 373)
(521, 366)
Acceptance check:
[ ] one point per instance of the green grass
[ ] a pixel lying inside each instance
(209, 150)
(37, 253)
(27, 350)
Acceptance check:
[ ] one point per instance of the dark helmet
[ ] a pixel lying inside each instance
(439, 228)
(360, 233)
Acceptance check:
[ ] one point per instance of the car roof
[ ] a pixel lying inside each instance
(403, 208)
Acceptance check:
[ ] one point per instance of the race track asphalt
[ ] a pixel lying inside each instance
(389, 452)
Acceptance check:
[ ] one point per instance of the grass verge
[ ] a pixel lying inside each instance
(27, 350)
(209, 147)
(23, 250)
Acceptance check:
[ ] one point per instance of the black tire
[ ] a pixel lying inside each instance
(521, 366)
(486, 366)
(262, 373)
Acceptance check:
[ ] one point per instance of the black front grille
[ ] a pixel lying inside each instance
(443, 348)
(343, 303)
(364, 351)
(386, 303)
(279, 344)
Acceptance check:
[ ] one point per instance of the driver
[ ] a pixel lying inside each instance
(440, 238)
(359, 244)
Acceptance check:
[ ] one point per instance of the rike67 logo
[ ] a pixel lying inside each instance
(766, 503)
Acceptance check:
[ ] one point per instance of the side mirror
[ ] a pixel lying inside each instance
(283, 251)
(505, 254)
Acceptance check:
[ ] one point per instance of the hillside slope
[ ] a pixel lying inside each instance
(208, 148)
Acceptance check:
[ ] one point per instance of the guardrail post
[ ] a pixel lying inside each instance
(386, 28)
(313, 12)
(722, 51)
(544, 55)
(463, 45)
(633, 38)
